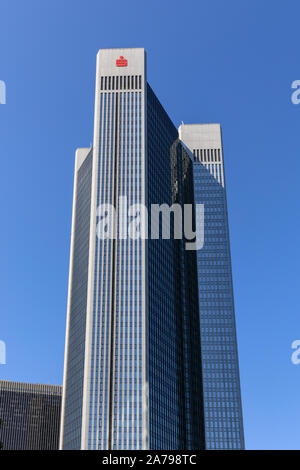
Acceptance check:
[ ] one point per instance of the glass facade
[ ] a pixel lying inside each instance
(164, 412)
(221, 386)
(186, 301)
(220, 370)
(175, 398)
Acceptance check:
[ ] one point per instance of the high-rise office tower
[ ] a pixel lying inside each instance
(221, 383)
(133, 369)
(30, 416)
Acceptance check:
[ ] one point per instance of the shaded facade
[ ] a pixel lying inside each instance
(187, 307)
(30, 415)
(175, 388)
(78, 285)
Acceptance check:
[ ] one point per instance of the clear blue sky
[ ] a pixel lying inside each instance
(231, 62)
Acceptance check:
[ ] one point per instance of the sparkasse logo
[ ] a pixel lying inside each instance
(121, 62)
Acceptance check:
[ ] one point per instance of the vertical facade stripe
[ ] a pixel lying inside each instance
(115, 398)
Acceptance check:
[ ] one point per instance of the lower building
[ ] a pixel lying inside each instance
(30, 415)
(151, 353)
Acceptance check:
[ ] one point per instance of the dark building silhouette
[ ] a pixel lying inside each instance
(30, 415)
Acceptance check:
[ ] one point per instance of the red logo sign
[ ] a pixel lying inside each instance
(121, 62)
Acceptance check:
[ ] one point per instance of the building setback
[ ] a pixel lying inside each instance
(30, 415)
(133, 375)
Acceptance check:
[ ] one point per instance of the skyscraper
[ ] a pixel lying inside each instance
(221, 383)
(133, 369)
(30, 415)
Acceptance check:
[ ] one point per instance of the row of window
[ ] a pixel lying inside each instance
(207, 155)
(123, 82)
